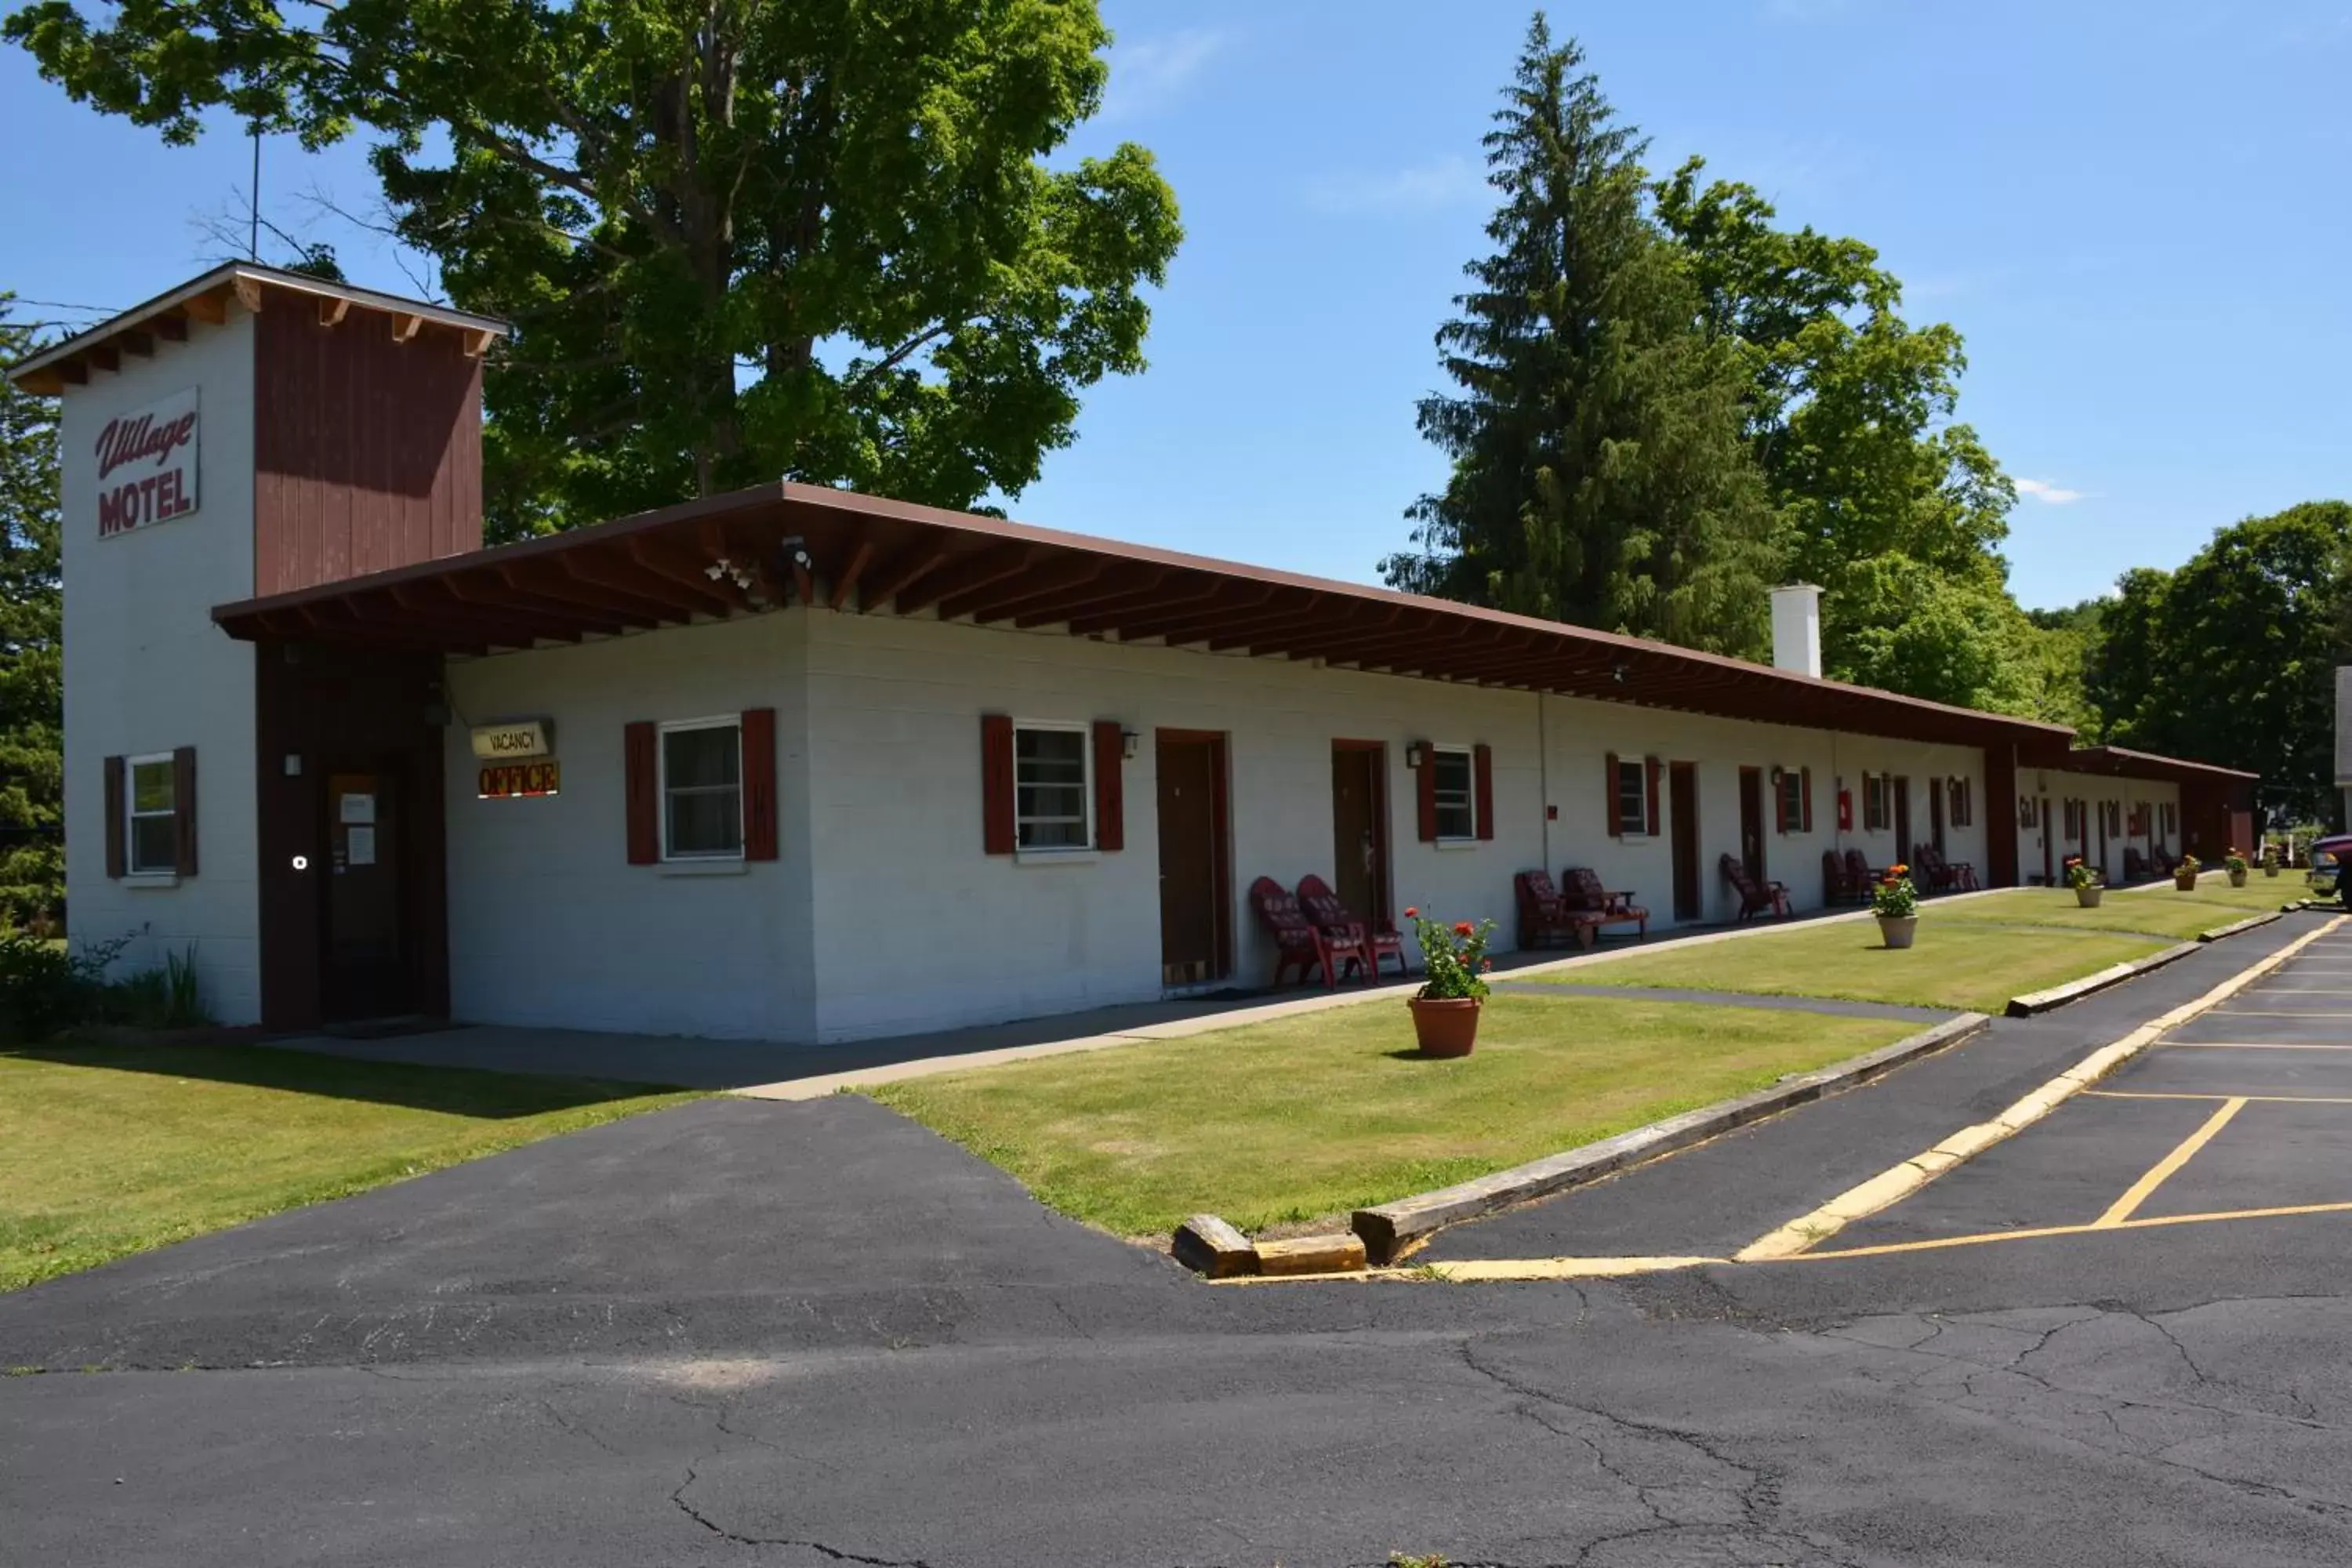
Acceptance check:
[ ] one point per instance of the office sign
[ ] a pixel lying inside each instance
(518, 781)
(147, 465)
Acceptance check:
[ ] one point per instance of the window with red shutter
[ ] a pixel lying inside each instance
(998, 834)
(760, 838)
(1424, 790)
(1615, 791)
(1482, 789)
(184, 809)
(1110, 785)
(640, 789)
(117, 819)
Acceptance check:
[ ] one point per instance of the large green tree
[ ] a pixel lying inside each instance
(1887, 501)
(1599, 471)
(32, 666)
(743, 238)
(2232, 658)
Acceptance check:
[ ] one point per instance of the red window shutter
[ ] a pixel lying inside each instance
(1110, 785)
(998, 834)
(640, 786)
(1805, 797)
(116, 854)
(1482, 788)
(758, 784)
(1616, 817)
(183, 808)
(1655, 768)
(1425, 793)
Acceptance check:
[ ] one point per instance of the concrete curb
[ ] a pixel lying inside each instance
(1390, 1228)
(2034, 1002)
(1892, 1185)
(2237, 927)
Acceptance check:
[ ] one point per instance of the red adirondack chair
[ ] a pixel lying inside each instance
(1297, 942)
(1326, 913)
(1610, 906)
(1754, 900)
(1839, 883)
(1860, 871)
(1544, 916)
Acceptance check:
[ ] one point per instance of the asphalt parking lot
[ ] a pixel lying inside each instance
(2242, 1113)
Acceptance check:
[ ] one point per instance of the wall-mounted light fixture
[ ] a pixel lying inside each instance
(1416, 753)
(1618, 672)
(1128, 740)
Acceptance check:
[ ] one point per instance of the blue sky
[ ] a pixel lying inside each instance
(2138, 216)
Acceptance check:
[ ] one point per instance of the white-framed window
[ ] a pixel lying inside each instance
(1634, 798)
(1964, 802)
(1053, 787)
(151, 829)
(1453, 787)
(702, 789)
(1877, 803)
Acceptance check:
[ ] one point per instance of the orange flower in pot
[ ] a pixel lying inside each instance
(1455, 964)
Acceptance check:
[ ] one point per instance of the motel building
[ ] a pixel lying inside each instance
(798, 765)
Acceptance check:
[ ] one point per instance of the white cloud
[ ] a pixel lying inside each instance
(1447, 182)
(1150, 74)
(2047, 493)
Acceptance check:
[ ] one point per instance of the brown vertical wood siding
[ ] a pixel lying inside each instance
(367, 451)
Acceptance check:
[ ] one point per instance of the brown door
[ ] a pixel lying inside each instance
(1936, 814)
(2102, 838)
(1751, 823)
(366, 970)
(1195, 942)
(1682, 800)
(2049, 859)
(1904, 848)
(1360, 837)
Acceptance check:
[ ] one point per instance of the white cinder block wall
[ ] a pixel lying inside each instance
(885, 915)
(2124, 796)
(548, 923)
(147, 671)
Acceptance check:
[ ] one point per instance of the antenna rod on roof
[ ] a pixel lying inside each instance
(252, 202)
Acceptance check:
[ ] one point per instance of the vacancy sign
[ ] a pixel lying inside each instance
(147, 465)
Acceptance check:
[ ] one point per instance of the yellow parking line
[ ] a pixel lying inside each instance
(2248, 1046)
(1895, 1246)
(2256, 1098)
(2139, 1191)
(2257, 1013)
(1891, 1187)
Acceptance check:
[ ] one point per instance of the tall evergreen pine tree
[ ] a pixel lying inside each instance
(1600, 474)
(32, 666)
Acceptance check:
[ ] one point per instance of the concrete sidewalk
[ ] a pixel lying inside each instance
(768, 1069)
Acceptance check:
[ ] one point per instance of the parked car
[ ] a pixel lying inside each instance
(2327, 858)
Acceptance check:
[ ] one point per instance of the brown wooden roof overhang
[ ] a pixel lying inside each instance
(164, 320)
(784, 544)
(2117, 762)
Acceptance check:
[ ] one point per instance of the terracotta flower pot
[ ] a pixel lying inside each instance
(2089, 896)
(1897, 930)
(2270, 869)
(2186, 881)
(1445, 1025)
(2237, 879)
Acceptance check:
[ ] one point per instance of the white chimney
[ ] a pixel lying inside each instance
(1796, 631)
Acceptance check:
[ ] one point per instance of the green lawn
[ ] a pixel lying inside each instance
(2160, 911)
(1957, 963)
(1307, 1116)
(105, 1151)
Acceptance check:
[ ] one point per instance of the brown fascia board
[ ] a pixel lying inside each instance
(45, 371)
(850, 517)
